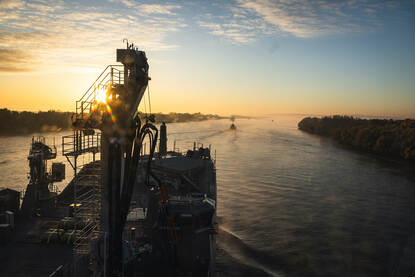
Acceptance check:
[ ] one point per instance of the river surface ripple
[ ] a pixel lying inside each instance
(303, 205)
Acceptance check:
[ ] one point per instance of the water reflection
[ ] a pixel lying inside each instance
(295, 202)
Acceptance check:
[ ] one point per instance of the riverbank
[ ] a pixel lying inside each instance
(311, 198)
(392, 138)
(24, 123)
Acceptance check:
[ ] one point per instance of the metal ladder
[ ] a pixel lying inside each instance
(112, 75)
(87, 180)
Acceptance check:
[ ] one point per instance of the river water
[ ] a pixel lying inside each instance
(295, 204)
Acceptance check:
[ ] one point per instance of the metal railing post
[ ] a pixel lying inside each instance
(112, 74)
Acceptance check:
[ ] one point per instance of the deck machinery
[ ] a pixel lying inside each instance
(174, 192)
(40, 191)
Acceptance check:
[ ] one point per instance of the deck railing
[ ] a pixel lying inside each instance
(112, 75)
(76, 144)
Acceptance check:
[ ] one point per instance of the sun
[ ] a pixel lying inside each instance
(101, 95)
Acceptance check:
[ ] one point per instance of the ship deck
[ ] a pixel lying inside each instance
(25, 255)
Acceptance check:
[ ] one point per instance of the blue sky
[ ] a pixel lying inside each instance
(241, 56)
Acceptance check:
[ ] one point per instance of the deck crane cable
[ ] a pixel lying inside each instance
(149, 98)
(151, 131)
(147, 130)
(145, 105)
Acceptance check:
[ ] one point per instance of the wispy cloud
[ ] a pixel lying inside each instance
(128, 3)
(10, 4)
(15, 60)
(149, 8)
(56, 33)
(235, 32)
(158, 9)
(313, 18)
(247, 20)
(235, 24)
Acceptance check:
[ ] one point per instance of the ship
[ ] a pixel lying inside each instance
(233, 126)
(130, 210)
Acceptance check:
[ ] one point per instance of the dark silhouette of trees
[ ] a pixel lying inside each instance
(22, 123)
(382, 136)
(182, 117)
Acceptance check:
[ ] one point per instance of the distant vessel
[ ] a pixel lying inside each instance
(233, 126)
(131, 211)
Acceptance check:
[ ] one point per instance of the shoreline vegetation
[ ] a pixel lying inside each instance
(25, 123)
(387, 137)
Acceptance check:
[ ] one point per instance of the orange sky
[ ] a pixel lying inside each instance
(247, 57)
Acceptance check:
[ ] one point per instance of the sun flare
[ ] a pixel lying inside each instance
(101, 95)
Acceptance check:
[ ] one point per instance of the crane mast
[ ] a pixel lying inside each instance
(118, 145)
(110, 105)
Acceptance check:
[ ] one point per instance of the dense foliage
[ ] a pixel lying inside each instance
(18, 123)
(181, 117)
(387, 137)
(21, 123)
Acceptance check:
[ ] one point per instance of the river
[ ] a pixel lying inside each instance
(295, 204)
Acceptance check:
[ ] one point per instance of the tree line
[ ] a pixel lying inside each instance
(180, 117)
(382, 136)
(23, 123)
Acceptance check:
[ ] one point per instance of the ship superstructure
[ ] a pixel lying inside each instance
(40, 190)
(174, 192)
(130, 210)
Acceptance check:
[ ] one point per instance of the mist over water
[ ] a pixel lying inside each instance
(291, 203)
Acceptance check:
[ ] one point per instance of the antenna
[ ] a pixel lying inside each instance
(126, 40)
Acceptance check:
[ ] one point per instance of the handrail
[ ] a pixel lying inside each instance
(111, 65)
(85, 143)
(94, 83)
(88, 96)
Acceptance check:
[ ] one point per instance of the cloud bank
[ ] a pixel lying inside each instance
(59, 33)
(15, 60)
(247, 20)
(81, 33)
